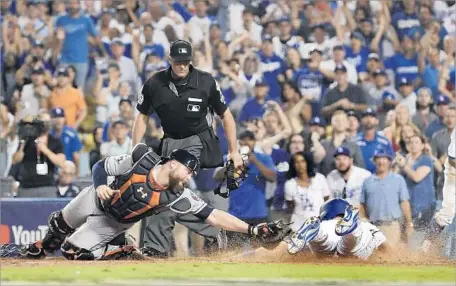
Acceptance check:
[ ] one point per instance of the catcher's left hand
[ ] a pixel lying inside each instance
(271, 233)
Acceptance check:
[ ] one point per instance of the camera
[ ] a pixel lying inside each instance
(30, 130)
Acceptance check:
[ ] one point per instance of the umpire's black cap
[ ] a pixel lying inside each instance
(185, 158)
(181, 51)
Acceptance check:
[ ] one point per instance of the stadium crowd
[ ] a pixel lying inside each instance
(350, 99)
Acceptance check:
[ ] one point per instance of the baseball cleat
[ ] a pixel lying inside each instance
(349, 222)
(304, 235)
(33, 250)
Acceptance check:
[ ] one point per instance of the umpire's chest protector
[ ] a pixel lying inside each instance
(138, 198)
(182, 113)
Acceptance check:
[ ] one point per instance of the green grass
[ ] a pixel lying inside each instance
(181, 270)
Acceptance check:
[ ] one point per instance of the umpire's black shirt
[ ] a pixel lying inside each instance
(182, 105)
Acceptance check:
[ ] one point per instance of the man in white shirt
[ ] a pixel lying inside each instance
(199, 23)
(286, 39)
(408, 94)
(128, 70)
(121, 143)
(339, 59)
(249, 26)
(346, 181)
(33, 96)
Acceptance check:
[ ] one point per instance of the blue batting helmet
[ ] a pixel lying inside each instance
(333, 208)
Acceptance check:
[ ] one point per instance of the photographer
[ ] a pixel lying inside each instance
(37, 158)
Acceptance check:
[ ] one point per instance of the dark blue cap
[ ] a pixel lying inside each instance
(443, 100)
(373, 56)
(283, 19)
(62, 72)
(315, 49)
(261, 82)
(317, 121)
(358, 35)
(404, 81)
(340, 67)
(57, 112)
(267, 38)
(382, 152)
(380, 72)
(388, 95)
(342, 151)
(38, 70)
(117, 41)
(369, 112)
(367, 19)
(352, 113)
(318, 26)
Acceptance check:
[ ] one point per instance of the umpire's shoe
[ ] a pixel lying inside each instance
(33, 250)
(304, 235)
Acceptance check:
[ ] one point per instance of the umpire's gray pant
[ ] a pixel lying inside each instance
(158, 229)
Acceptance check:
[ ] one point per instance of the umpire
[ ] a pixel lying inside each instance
(185, 99)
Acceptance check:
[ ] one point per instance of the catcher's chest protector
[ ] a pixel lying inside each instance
(138, 198)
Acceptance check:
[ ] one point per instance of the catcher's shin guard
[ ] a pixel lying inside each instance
(72, 252)
(58, 230)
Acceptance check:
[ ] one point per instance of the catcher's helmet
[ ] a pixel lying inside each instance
(186, 158)
(333, 208)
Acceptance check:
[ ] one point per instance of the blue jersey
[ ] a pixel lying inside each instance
(310, 82)
(358, 60)
(76, 45)
(368, 148)
(70, 141)
(251, 110)
(249, 201)
(403, 67)
(271, 67)
(281, 159)
(404, 23)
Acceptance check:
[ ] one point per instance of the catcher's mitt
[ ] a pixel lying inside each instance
(233, 178)
(270, 234)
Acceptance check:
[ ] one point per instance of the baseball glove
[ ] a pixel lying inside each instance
(233, 178)
(270, 234)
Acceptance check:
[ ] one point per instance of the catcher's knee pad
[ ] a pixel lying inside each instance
(72, 252)
(58, 230)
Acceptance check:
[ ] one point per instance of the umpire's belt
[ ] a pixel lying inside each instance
(384, 223)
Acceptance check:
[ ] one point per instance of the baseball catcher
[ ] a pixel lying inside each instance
(144, 185)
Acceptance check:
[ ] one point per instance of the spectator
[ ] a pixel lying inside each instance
(339, 138)
(393, 132)
(296, 107)
(72, 41)
(126, 65)
(249, 202)
(408, 95)
(384, 199)
(8, 136)
(72, 75)
(407, 131)
(125, 108)
(430, 71)
(353, 125)
(255, 107)
(296, 144)
(106, 93)
(345, 95)
(294, 64)
(33, 96)
(199, 23)
(404, 64)
(357, 53)
(69, 99)
(312, 81)
(442, 103)
(121, 144)
(369, 140)
(271, 66)
(405, 20)
(285, 39)
(68, 137)
(65, 186)
(424, 115)
(380, 90)
(346, 180)
(306, 190)
(441, 139)
(94, 155)
(338, 59)
(417, 169)
(37, 162)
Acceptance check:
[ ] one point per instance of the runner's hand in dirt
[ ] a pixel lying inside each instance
(104, 192)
